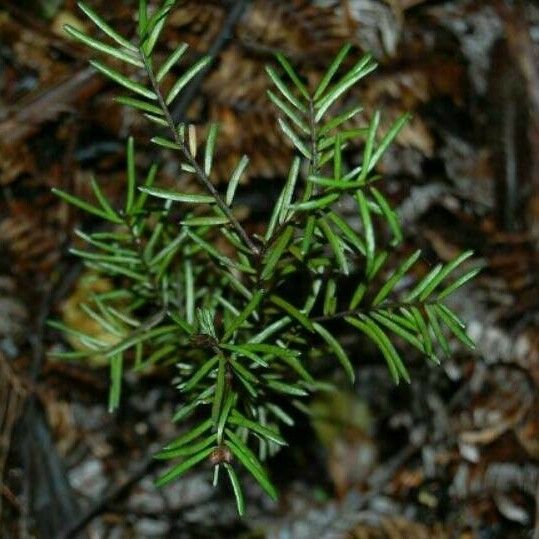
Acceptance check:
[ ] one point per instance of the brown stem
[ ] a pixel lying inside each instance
(199, 173)
(386, 306)
(314, 167)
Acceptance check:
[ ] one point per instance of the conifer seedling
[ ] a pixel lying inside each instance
(232, 325)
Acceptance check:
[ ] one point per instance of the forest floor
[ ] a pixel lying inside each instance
(455, 453)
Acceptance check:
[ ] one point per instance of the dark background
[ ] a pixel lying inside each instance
(456, 453)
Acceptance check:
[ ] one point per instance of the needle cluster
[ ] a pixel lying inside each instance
(237, 317)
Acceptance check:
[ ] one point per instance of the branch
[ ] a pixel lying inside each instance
(199, 173)
(390, 306)
(314, 167)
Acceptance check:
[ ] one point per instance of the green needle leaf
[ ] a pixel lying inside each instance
(223, 417)
(107, 208)
(348, 232)
(390, 215)
(210, 148)
(223, 259)
(423, 283)
(388, 139)
(237, 419)
(289, 112)
(316, 203)
(166, 143)
(371, 329)
(269, 349)
(279, 413)
(186, 78)
(205, 221)
(155, 26)
(178, 197)
(240, 502)
(370, 242)
(187, 450)
(245, 314)
(116, 368)
(274, 217)
(199, 375)
(242, 351)
(331, 71)
(118, 258)
(276, 252)
(180, 469)
(423, 330)
(361, 69)
(169, 63)
(369, 147)
(294, 138)
(104, 27)
(139, 104)
(124, 81)
(337, 158)
(189, 436)
(330, 300)
(123, 55)
(235, 179)
(284, 89)
(336, 245)
(142, 17)
(79, 203)
(437, 330)
(131, 175)
(292, 311)
(149, 181)
(337, 350)
(189, 291)
(390, 322)
(293, 76)
(452, 322)
(441, 275)
(249, 460)
(219, 390)
(286, 389)
(288, 190)
(458, 283)
(398, 274)
(339, 120)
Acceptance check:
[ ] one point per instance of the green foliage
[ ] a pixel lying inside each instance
(232, 324)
